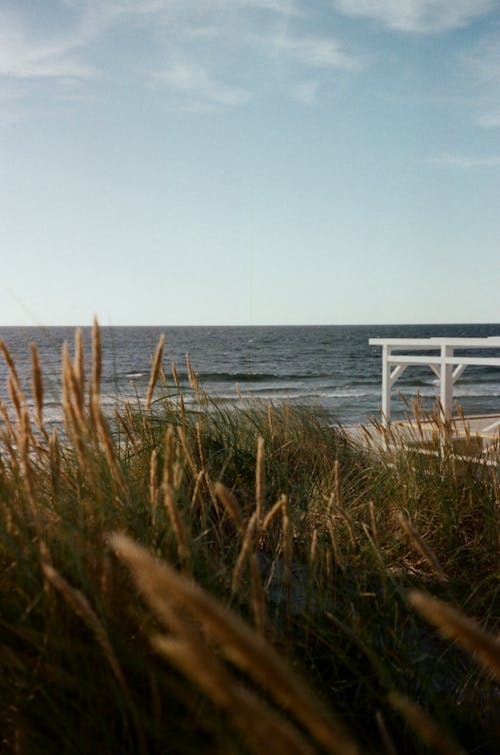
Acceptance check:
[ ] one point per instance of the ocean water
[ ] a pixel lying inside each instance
(330, 366)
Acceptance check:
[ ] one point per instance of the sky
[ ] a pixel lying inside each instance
(248, 162)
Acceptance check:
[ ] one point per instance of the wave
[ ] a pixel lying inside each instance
(474, 392)
(460, 390)
(263, 385)
(254, 377)
(320, 393)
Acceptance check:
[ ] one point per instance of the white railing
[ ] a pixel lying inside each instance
(446, 366)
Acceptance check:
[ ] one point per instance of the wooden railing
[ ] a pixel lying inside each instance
(446, 366)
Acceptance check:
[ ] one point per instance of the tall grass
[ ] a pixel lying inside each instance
(184, 577)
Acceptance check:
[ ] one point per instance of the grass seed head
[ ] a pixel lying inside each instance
(424, 726)
(228, 500)
(96, 359)
(454, 625)
(421, 546)
(160, 584)
(37, 384)
(155, 370)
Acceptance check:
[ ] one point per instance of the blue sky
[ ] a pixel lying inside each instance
(249, 161)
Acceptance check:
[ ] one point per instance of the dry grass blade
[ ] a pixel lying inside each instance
(199, 664)
(78, 367)
(454, 625)
(424, 726)
(96, 359)
(256, 722)
(153, 482)
(175, 375)
(73, 420)
(55, 459)
(373, 521)
(387, 742)
(238, 642)
(246, 548)
(37, 385)
(228, 500)
(12, 368)
(177, 525)
(28, 478)
(422, 547)
(259, 479)
(127, 426)
(80, 605)
(13, 389)
(108, 446)
(187, 452)
(201, 450)
(258, 597)
(313, 548)
(195, 495)
(155, 371)
(72, 392)
(193, 380)
(337, 552)
(273, 512)
(9, 429)
(336, 477)
(287, 550)
(168, 461)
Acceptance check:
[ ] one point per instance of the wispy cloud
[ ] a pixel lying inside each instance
(489, 118)
(484, 60)
(484, 64)
(283, 7)
(305, 92)
(466, 163)
(103, 12)
(422, 16)
(26, 52)
(23, 57)
(12, 94)
(319, 52)
(194, 83)
(201, 36)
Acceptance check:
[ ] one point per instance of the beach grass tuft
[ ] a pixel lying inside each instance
(179, 575)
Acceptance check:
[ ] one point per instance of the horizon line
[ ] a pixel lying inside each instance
(253, 325)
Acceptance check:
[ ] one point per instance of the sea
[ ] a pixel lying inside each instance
(332, 367)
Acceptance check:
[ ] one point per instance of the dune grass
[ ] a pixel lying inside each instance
(183, 577)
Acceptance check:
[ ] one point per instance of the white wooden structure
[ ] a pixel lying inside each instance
(445, 365)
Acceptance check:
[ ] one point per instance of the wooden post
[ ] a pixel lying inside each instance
(446, 382)
(386, 385)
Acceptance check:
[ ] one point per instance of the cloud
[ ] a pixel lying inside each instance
(466, 163)
(24, 57)
(104, 12)
(193, 82)
(70, 44)
(313, 51)
(484, 64)
(283, 7)
(489, 119)
(12, 94)
(305, 92)
(484, 60)
(423, 16)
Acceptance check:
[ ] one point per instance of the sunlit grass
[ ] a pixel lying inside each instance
(188, 577)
